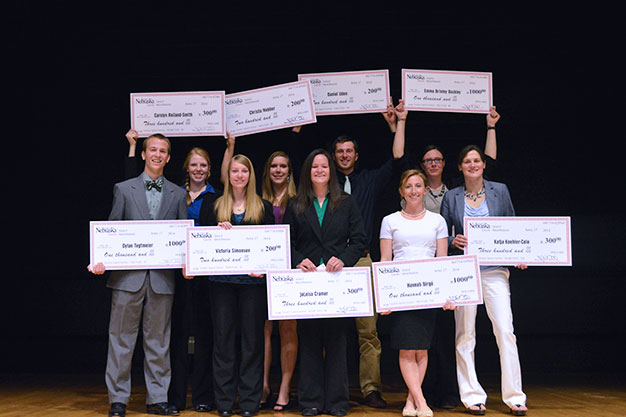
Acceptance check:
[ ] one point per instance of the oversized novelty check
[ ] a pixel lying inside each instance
(240, 250)
(519, 240)
(447, 91)
(427, 283)
(145, 244)
(293, 294)
(349, 92)
(199, 113)
(270, 108)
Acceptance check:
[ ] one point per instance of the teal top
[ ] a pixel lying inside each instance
(320, 210)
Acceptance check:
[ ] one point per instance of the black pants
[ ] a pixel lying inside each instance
(323, 373)
(238, 361)
(191, 316)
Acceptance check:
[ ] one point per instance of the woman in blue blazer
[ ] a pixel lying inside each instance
(326, 228)
(478, 197)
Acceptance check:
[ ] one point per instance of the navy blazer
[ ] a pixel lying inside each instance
(453, 208)
(341, 234)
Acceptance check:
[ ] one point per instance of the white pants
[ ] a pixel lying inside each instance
(497, 300)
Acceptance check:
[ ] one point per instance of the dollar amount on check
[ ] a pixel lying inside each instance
(240, 250)
(427, 283)
(536, 241)
(146, 244)
(293, 294)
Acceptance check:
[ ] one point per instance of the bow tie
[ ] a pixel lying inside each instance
(157, 185)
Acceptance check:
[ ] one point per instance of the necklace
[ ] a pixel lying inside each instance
(413, 215)
(439, 194)
(239, 209)
(476, 196)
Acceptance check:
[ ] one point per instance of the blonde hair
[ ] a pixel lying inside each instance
(254, 205)
(408, 174)
(267, 190)
(201, 153)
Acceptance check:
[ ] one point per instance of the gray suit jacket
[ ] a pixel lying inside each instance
(453, 208)
(130, 203)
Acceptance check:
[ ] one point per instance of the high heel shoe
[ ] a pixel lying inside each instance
(283, 407)
(481, 410)
(518, 412)
(266, 405)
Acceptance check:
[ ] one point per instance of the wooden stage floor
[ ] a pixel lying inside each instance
(85, 395)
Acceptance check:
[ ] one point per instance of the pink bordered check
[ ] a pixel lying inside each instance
(270, 108)
(427, 283)
(141, 244)
(293, 294)
(195, 113)
(447, 91)
(510, 241)
(349, 92)
(241, 250)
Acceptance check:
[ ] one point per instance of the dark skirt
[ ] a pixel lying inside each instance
(412, 329)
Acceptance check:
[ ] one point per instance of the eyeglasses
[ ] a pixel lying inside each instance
(429, 161)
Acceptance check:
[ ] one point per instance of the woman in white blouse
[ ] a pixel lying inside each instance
(409, 234)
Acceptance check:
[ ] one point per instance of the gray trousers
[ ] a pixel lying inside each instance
(128, 311)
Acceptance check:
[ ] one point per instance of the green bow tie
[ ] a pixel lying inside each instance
(157, 185)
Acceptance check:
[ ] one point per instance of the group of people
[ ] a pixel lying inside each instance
(331, 214)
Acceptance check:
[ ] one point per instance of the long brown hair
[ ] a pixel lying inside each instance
(254, 204)
(304, 197)
(267, 190)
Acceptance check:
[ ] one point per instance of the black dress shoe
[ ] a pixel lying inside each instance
(202, 408)
(310, 412)
(338, 412)
(117, 410)
(162, 409)
(246, 413)
(375, 400)
(224, 413)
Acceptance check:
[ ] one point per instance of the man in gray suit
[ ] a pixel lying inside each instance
(143, 296)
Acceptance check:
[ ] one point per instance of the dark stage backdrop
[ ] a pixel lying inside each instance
(72, 69)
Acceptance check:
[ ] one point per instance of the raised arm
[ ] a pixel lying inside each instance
(491, 146)
(132, 137)
(390, 116)
(399, 138)
(229, 152)
(131, 165)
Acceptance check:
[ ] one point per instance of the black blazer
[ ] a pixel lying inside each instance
(341, 234)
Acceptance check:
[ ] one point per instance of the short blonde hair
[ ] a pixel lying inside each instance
(408, 174)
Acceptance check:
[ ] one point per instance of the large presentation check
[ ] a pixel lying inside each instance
(349, 92)
(519, 240)
(427, 283)
(293, 294)
(241, 250)
(270, 108)
(146, 244)
(447, 91)
(198, 113)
